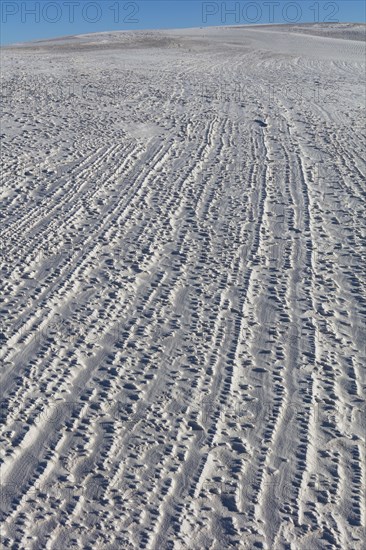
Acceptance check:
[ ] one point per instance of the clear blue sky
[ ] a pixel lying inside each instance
(24, 20)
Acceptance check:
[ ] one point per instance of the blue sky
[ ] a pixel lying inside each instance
(24, 20)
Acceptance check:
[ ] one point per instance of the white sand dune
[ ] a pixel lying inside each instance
(183, 306)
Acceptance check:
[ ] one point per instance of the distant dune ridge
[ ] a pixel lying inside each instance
(183, 307)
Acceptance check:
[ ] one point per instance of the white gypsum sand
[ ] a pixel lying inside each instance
(182, 290)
